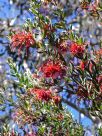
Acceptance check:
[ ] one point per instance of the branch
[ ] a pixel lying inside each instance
(85, 112)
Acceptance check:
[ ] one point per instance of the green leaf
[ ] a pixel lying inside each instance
(80, 40)
(41, 129)
(26, 104)
(72, 36)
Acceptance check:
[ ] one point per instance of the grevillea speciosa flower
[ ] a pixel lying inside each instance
(77, 50)
(53, 69)
(87, 65)
(21, 40)
(42, 94)
(83, 65)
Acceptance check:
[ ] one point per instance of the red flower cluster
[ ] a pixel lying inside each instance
(86, 64)
(53, 69)
(42, 94)
(83, 65)
(21, 40)
(77, 50)
(45, 95)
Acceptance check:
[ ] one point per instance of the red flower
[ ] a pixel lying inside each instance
(91, 66)
(53, 69)
(57, 99)
(42, 94)
(83, 65)
(77, 50)
(21, 40)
